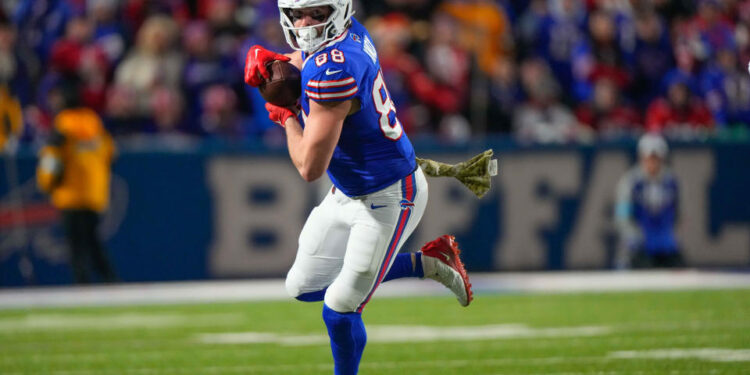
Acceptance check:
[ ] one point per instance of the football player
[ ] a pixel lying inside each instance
(347, 125)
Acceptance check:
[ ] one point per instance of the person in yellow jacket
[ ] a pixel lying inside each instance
(74, 169)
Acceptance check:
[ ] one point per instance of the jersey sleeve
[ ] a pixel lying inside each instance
(331, 83)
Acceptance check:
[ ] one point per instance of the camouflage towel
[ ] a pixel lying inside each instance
(474, 173)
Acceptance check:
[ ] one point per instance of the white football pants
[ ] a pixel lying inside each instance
(349, 244)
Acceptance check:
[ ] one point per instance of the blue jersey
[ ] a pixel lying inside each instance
(373, 150)
(653, 206)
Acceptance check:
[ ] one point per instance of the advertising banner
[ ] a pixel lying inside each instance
(220, 213)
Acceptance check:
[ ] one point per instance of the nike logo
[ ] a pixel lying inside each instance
(256, 53)
(447, 257)
(329, 71)
(374, 207)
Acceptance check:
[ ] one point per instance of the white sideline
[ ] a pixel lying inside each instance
(269, 290)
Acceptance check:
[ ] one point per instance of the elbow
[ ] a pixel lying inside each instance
(310, 174)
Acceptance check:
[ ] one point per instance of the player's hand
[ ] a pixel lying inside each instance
(278, 114)
(255, 64)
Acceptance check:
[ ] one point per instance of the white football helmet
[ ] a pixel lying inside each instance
(307, 38)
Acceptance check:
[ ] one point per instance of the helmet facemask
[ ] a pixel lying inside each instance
(311, 38)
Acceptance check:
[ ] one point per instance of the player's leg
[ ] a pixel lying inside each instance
(438, 260)
(405, 265)
(320, 255)
(375, 238)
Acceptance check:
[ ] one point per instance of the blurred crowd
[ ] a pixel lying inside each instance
(543, 71)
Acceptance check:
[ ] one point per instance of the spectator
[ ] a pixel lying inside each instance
(686, 62)
(136, 12)
(204, 68)
(606, 114)
(680, 113)
(227, 32)
(13, 71)
(219, 116)
(504, 96)
(153, 63)
(168, 109)
(40, 24)
(76, 54)
(561, 30)
(120, 112)
(74, 169)
(651, 58)
(726, 88)
(109, 34)
(602, 57)
(713, 31)
(542, 118)
(447, 61)
(448, 66)
(440, 87)
(484, 30)
(646, 210)
(742, 31)
(392, 36)
(528, 29)
(622, 12)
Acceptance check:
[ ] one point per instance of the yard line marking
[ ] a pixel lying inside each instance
(706, 354)
(113, 322)
(405, 333)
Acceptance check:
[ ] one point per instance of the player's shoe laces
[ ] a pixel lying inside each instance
(440, 262)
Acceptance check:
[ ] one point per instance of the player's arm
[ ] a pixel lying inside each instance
(295, 59)
(311, 148)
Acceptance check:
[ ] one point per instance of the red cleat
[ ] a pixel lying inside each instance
(440, 262)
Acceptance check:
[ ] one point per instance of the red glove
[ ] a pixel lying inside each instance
(255, 64)
(278, 114)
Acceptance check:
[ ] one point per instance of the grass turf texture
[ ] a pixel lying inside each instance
(163, 339)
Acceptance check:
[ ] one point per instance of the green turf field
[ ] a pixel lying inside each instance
(704, 332)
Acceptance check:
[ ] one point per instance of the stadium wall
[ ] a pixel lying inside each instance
(218, 211)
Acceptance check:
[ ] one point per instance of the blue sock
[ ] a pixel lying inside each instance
(348, 338)
(402, 267)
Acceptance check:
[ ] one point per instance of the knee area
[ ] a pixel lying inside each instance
(297, 288)
(293, 284)
(341, 301)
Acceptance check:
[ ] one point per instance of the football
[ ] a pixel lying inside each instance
(284, 86)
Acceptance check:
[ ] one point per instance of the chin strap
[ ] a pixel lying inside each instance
(474, 173)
